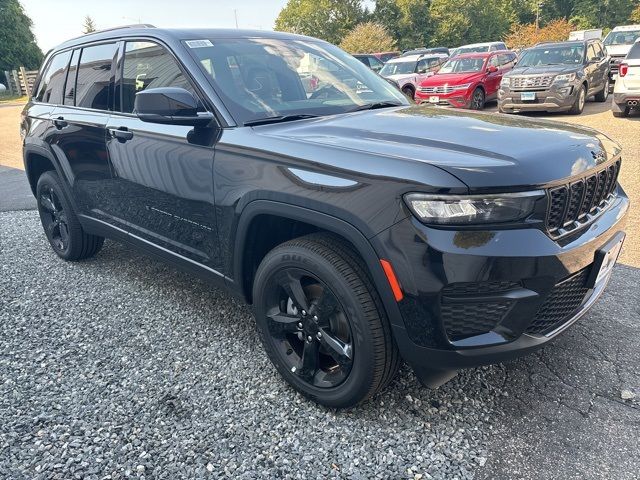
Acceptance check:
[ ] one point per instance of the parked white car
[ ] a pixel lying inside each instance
(626, 94)
(407, 72)
(618, 43)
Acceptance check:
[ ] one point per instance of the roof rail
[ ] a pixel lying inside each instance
(133, 25)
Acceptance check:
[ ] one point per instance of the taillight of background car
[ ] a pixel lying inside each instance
(624, 68)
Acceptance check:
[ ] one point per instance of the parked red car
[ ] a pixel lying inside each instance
(467, 81)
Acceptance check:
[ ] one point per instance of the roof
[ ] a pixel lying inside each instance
(564, 43)
(178, 34)
(623, 28)
(483, 44)
(481, 54)
(415, 58)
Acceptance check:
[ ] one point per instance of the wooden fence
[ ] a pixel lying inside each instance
(20, 82)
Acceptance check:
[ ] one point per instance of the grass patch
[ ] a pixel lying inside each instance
(6, 98)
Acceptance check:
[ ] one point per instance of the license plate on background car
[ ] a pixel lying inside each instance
(528, 96)
(606, 259)
(434, 99)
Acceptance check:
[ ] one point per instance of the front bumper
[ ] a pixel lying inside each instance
(456, 98)
(554, 98)
(523, 269)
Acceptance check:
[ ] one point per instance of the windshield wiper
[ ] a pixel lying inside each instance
(373, 106)
(278, 119)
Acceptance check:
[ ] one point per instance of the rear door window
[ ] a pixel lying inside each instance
(634, 53)
(70, 86)
(93, 85)
(149, 65)
(52, 82)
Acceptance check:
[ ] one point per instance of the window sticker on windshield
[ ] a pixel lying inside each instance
(198, 43)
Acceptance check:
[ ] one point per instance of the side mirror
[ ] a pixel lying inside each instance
(492, 69)
(170, 105)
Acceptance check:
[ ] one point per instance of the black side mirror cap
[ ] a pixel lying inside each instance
(170, 105)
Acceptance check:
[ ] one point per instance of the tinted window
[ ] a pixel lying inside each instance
(52, 82)
(70, 86)
(553, 55)
(148, 65)
(635, 51)
(94, 77)
(591, 53)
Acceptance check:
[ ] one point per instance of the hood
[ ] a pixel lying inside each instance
(401, 76)
(543, 70)
(484, 151)
(451, 79)
(618, 50)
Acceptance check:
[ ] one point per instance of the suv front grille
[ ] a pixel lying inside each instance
(573, 205)
(562, 303)
(439, 89)
(531, 82)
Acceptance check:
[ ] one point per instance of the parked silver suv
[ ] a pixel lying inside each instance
(556, 77)
(626, 95)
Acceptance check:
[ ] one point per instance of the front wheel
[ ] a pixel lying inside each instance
(477, 99)
(409, 92)
(321, 321)
(578, 106)
(604, 94)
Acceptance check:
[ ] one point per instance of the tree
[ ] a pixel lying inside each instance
(329, 20)
(17, 43)
(635, 15)
(89, 25)
(523, 36)
(471, 21)
(603, 13)
(407, 21)
(368, 37)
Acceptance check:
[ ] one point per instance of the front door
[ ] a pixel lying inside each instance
(163, 174)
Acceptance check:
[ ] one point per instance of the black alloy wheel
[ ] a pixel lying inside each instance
(309, 328)
(477, 99)
(54, 219)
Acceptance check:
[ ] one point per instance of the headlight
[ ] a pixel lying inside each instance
(461, 87)
(505, 82)
(566, 77)
(472, 209)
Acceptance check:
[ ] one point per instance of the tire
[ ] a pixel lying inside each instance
(409, 92)
(604, 94)
(60, 222)
(477, 99)
(624, 113)
(581, 98)
(342, 304)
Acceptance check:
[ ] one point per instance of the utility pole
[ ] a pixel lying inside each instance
(539, 4)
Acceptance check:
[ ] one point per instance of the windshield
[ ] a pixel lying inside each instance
(264, 77)
(552, 56)
(622, 38)
(398, 68)
(463, 65)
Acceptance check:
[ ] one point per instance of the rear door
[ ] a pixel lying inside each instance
(80, 121)
(591, 70)
(163, 174)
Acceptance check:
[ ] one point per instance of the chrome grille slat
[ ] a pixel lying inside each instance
(531, 82)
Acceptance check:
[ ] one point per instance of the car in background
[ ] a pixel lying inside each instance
(370, 60)
(2, 88)
(626, 94)
(384, 57)
(556, 77)
(479, 48)
(593, 33)
(408, 72)
(618, 43)
(425, 51)
(467, 81)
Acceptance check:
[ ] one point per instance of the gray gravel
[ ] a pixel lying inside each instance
(122, 367)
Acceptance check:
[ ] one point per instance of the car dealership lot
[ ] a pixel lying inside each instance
(122, 366)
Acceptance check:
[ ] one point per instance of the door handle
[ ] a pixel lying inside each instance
(122, 134)
(60, 123)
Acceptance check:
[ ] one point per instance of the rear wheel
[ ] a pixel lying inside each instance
(604, 94)
(581, 98)
(623, 113)
(60, 223)
(321, 322)
(409, 92)
(477, 99)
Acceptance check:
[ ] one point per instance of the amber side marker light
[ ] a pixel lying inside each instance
(393, 281)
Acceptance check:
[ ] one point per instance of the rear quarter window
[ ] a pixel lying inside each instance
(634, 53)
(93, 84)
(52, 82)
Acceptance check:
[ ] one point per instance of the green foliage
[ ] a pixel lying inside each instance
(407, 21)
(17, 43)
(329, 20)
(368, 37)
(88, 25)
(599, 13)
(635, 15)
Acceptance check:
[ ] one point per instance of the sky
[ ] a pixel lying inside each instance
(55, 21)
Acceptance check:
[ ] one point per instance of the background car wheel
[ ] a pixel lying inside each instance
(581, 98)
(409, 92)
(622, 114)
(321, 321)
(477, 99)
(604, 94)
(60, 223)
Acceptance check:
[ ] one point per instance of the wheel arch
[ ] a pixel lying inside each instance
(247, 255)
(37, 161)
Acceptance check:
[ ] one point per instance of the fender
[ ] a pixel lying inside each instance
(328, 223)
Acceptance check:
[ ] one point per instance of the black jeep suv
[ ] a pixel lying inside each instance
(361, 228)
(556, 77)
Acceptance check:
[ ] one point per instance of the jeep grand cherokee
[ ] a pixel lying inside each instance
(362, 229)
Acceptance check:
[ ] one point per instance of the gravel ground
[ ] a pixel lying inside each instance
(120, 366)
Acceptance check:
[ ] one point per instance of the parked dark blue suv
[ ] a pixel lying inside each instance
(362, 229)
